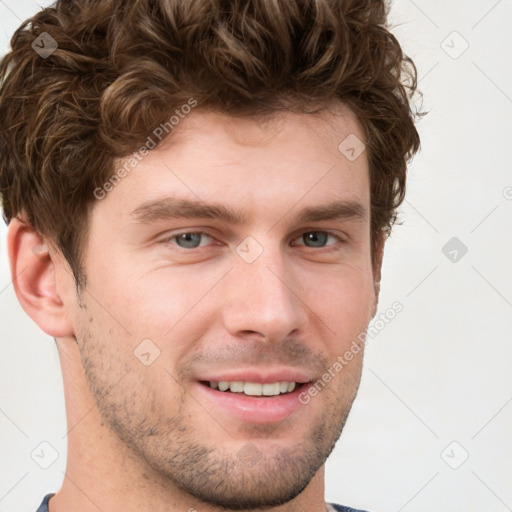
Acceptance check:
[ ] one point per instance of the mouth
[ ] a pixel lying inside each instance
(260, 398)
(257, 389)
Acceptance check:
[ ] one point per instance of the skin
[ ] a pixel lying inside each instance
(145, 437)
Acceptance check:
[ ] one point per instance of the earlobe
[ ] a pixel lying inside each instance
(33, 272)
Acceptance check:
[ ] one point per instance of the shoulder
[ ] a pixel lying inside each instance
(341, 508)
(44, 504)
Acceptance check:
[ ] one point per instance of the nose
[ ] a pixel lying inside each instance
(263, 298)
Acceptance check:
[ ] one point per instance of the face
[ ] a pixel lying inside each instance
(236, 256)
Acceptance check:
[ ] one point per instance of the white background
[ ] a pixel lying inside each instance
(440, 372)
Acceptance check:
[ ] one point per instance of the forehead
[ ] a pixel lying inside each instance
(254, 164)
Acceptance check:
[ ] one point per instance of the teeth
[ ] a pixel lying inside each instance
(271, 389)
(254, 388)
(237, 387)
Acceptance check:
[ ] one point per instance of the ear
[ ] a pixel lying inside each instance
(377, 272)
(33, 272)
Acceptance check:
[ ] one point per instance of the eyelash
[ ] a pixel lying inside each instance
(203, 233)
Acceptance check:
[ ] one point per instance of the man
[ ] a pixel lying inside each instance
(198, 195)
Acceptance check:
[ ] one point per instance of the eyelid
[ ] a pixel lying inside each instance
(170, 237)
(335, 235)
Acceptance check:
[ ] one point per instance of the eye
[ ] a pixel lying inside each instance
(190, 240)
(317, 239)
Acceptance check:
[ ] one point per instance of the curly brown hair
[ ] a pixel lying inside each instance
(120, 68)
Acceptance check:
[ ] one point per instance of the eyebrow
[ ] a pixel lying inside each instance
(337, 210)
(179, 208)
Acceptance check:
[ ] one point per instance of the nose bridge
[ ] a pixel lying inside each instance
(262, 296)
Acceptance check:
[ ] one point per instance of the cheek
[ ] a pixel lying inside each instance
(165, 303)
(169, 307)
(343, 299)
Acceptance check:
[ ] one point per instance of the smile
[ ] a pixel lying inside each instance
(254, 388)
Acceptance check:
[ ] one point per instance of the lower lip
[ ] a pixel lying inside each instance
(254, 409)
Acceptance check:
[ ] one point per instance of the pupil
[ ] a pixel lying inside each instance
(189, 240)
(316, 238)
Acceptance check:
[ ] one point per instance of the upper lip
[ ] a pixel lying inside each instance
(260, 375)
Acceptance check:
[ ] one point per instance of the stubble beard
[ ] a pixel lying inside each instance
(181, 456)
